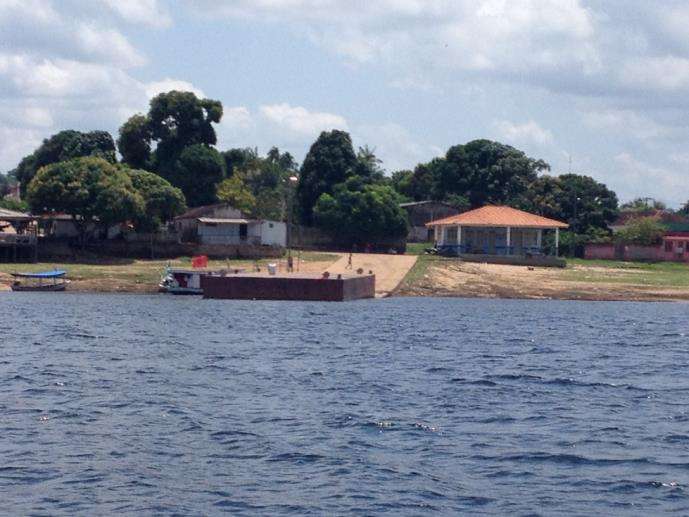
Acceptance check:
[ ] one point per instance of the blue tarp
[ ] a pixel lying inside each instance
(45, 274)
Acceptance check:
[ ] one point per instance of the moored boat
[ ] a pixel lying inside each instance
(188, 281)
(45, 281)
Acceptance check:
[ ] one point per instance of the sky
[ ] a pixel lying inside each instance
(597, 87)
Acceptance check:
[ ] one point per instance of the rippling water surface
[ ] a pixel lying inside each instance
(124, 404)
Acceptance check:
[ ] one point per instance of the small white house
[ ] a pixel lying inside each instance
(224, 225)
(241, 231)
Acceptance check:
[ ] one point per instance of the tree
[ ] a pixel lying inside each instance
(162, 201)
(486, 172)
(643, 204)
(234, 191)
(644, 231)
(91, 190)
(361, 213)
(401, 181)
(329, 161)
(197, 172)
(544, 197)
(176, 121)
(62, 146)
(585, 203)
(368, 165)
(134, 142)
(16, 205)
(238, 159)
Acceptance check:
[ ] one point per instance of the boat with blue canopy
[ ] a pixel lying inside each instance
(48, 281)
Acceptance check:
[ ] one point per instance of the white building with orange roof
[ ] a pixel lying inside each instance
(494, 231)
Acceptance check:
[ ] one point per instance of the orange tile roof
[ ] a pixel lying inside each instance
(499, 216)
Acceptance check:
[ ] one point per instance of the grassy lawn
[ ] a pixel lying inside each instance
(661, 274)
(418, 248)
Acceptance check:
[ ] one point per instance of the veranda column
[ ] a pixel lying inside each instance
(509, 241)
(459, 238)
(539, 239)
(557, 242)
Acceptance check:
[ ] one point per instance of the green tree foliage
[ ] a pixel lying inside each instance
(9, 203)
(329, 162)
(197, 172)
(645, 231)
(62, 146)
(643, 204)
(481, 172)
(359, 212)
(91, 190)
(267, 179)
(585, 203)
(175, 140)
(134, 142)
(240, 159)
(401, 181)
(234, 191)
(162, 201)
(485, 172)
(544, 198)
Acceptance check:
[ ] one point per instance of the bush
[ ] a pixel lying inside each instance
(644, 231)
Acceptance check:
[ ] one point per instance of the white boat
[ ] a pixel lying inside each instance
(188, 281)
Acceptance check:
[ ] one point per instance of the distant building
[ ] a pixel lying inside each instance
(421, 213)
(673, 221)
(494, 231)
(673, 248)
(18, 236)
(223, 224)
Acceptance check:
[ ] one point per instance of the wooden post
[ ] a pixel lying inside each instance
(509, 240)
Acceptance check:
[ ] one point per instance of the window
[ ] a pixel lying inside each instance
(270, 225)
(668, 246)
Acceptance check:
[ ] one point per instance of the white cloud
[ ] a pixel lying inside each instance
(636, 178)
(521, 39)
(146, 12)
(156, 87)
(625, 122)
(298, 119)
(667, 73)
(529, 132)
(238, 117)
(394, 145)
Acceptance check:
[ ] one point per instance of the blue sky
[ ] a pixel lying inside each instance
(603, 83)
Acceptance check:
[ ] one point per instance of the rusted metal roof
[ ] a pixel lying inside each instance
(499, 216)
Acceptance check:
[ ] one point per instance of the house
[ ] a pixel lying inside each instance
(494, 231)
(18, 236)
(420, 213)
(61, 226)
(223, 224)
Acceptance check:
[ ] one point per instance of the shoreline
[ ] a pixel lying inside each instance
(411, 276)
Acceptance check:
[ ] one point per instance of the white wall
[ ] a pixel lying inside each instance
(273, 233)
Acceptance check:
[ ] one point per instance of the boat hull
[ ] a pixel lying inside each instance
(39, 288)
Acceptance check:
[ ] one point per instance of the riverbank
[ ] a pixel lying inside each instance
(411, 275)
(580, 280)
(142, 276)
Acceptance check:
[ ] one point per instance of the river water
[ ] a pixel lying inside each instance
(164, 405)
